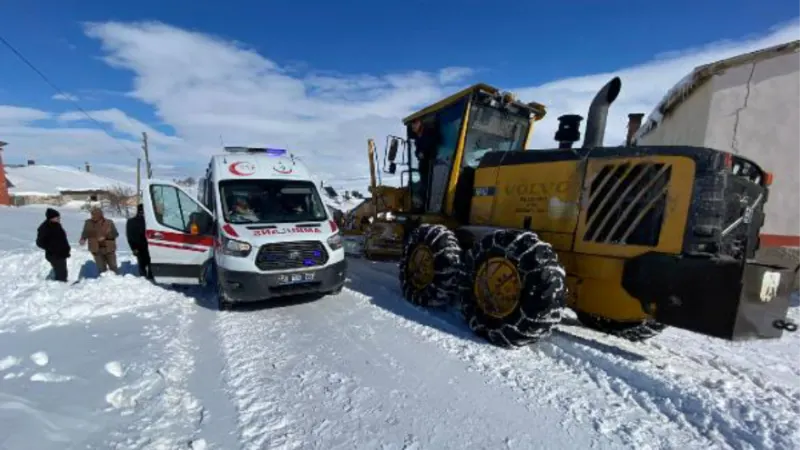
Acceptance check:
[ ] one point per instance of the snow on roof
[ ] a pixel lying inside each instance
(52, 180)
(341, 204)
(700, 75)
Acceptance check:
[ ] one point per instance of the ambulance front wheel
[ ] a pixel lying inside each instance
(336, 291)
(223, 301)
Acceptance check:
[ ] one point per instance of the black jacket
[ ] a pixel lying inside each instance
(135, 232)
(52, 238)
(427, 144)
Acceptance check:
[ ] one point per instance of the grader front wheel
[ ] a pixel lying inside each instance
(514, 290)
(429, 268)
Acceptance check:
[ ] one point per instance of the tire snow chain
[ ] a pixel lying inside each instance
(785, 325)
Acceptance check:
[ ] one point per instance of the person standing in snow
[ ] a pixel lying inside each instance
(52, 238)
(137, 240)
(101, 234)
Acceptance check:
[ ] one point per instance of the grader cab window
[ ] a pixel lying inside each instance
(492, 129)
(448, 126)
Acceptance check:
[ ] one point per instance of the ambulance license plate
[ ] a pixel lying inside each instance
(293, 278)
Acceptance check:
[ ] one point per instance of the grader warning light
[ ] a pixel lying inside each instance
(632, 239)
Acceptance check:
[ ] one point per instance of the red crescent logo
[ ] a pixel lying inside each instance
(242, 168)
(282, 169)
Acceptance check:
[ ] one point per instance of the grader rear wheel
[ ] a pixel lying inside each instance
(430, 266)
(514, 290)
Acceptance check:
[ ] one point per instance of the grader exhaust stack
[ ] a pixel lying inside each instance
(598, 113)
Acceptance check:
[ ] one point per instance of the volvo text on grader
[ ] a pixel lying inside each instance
(631, 238)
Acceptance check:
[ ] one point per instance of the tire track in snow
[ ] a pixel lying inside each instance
(325, 375)
(706, 412)
(727, 414)
(253, 348)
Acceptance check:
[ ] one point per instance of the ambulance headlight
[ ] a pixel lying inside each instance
(232, 247)
(335, 241)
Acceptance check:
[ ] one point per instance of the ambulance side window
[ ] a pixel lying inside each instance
(208, 194)
(174, 209)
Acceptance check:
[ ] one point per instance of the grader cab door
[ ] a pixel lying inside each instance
(434, 141)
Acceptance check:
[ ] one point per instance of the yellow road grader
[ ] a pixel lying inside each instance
(631, 238)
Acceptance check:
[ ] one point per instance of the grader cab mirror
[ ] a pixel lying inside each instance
(394, 144)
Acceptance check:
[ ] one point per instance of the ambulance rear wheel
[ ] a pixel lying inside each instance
(430, 268)
(514, 289)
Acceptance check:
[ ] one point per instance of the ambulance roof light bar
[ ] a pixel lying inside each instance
(266, 151)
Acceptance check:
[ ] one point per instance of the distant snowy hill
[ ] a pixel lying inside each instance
(52, 180)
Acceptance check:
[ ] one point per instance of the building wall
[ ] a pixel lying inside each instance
(755, 112)
(23, 200)
(687, 124)
(752, 110)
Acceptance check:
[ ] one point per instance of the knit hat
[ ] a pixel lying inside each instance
(51, 213)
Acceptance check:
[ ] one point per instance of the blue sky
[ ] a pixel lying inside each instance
(520, 45)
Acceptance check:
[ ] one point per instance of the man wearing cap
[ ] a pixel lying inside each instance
(52, 238)
(135, 231)
(101, 234)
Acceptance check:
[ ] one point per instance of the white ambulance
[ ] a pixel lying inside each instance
(258, 219)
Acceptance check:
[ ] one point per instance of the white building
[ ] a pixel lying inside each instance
(57, 185)
(748, 105)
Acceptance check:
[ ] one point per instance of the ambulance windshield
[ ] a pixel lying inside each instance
(271, 201)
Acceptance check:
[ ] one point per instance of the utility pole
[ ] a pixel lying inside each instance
(138, 180)
(147, 165)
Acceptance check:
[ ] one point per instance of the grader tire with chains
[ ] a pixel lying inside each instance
(513, 290)
(430, 269)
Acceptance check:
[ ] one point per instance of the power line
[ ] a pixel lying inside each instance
(63, 94)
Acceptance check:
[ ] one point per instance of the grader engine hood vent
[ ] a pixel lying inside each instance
(627, 203)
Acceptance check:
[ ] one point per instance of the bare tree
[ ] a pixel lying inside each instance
(118, 200)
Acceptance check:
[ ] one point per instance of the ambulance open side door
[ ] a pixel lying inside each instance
(180, 233)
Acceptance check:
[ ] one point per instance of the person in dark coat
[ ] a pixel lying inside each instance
(426, 142)
(52, 238)
(137, 240)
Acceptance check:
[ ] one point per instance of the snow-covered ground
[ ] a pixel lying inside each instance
(117, 362)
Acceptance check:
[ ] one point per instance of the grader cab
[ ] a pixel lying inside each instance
(632, 239)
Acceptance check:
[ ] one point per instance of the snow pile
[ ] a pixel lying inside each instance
(103, 363)
(52, 180)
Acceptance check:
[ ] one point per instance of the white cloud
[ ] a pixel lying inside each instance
(121, 123)
(15, 115)
(65, 96)
(205, 87)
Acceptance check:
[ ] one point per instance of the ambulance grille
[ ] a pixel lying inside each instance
(291, 255)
